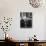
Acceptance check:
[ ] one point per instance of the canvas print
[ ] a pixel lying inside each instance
(26, 19)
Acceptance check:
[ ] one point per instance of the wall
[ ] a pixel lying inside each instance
(12, 8)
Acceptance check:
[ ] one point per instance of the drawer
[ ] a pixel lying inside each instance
(42, 44)
(21, 44)
(25, 44)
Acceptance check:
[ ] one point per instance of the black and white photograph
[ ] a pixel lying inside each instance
(26, 19)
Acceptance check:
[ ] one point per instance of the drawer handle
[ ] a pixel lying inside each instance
(21, 44)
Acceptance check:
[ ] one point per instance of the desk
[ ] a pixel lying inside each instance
(28, 43)
(31, 43)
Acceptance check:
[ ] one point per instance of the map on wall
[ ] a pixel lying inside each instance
(26, 19)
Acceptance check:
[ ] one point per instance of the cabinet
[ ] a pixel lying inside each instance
(42, 44)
